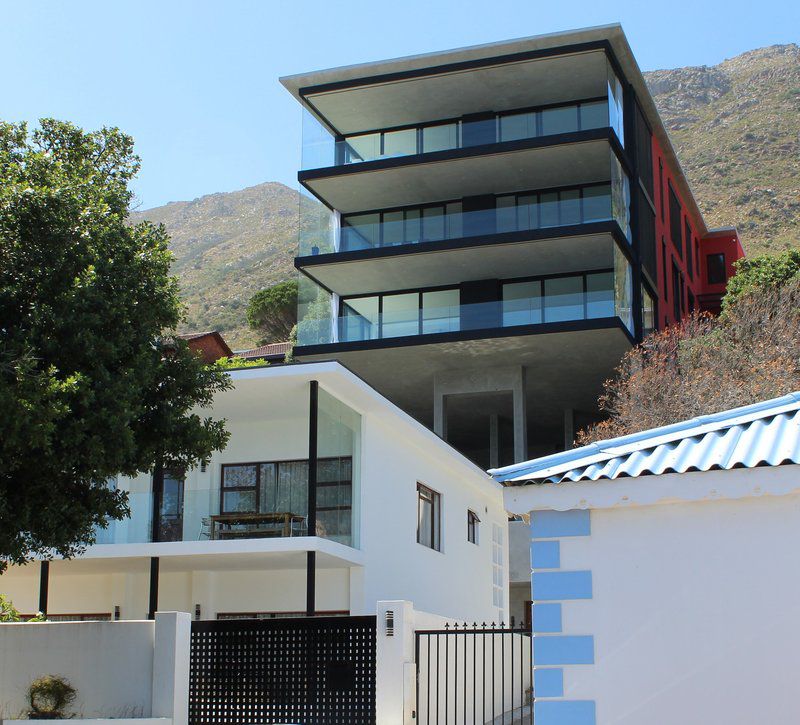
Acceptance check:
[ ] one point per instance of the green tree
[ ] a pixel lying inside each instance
(92, 382)
(761, 273)
(273, 311)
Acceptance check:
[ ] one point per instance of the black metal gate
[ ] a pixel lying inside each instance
(309, 671)
(474, 674)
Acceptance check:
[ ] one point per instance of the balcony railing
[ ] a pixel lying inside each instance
(513, 213)
(534, 302)
(321, 233)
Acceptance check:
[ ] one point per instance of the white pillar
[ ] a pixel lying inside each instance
(395, 676)
(171, 667)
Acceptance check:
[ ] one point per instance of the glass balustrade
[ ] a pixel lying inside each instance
(278, 509)
(322, 231)
(322, 150)
(533, 302)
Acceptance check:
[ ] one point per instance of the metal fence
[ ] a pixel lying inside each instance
(312, 671)
(474, 673)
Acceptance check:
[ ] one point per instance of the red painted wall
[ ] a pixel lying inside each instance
(695, 281)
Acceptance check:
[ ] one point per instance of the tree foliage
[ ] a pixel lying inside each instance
(273, 311)
(749, 354)
(761, 273)
(91, 382)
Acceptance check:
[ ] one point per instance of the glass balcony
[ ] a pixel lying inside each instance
(259, 499)
(324, 232)
(321, 149)
(534, 301)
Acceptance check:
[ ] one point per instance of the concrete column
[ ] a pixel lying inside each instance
(171, 666)
(494, 441)
(492, 380)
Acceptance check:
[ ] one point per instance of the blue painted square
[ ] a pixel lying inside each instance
(564, 712)
(545, 554)
(546, 617)
(559, 585)
(563, 650)
(555, 524)
(548, 683)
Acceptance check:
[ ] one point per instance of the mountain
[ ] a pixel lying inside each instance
(735, 126)
(227, 247)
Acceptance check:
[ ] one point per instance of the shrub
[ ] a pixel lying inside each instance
(49, 697)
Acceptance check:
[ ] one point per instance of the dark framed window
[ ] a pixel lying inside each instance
(472, 527)
(649, 311)
(691, 301)
(282, 487)
(647, 235)
(688, 238)
(675, 221)
(715, 269)
(644, 151)
(428, 517)
(677, 298)
(664, 267)
(697, 256)
(662, 196)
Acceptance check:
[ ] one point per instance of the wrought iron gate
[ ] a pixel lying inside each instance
(309, 671)
(474, 674)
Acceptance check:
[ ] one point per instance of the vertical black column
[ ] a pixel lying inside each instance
(153, 605)
(629, 124)
(311, 556)
(44, 585)
(158, 492)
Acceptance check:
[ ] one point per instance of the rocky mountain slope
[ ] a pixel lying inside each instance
(227, 247)
(736, 127)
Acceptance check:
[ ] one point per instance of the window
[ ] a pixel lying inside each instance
(522, 303)
(677, 292)
(664, 267)
(559, 120)
(441, 311)
(400, 143)
(428, 517)
(472, 527)
(662, 198)
(647, 235)
(498, 569)
(675, 221)
(563, 299)
(715, 269)
(688, 238)
(644, 151)
(239, 488)
(439, 138)
(600, 295)
(401, 315)
(648, 311)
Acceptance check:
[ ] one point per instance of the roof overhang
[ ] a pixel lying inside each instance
(305, 86)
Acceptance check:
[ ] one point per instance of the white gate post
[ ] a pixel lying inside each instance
(171, 666)
(395, 674)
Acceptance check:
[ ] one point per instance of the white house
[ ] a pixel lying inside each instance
(665, 572)
(400, 514)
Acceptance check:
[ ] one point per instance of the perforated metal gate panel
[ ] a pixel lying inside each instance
(309, 671)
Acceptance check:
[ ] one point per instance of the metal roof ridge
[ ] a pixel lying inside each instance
(624, 445)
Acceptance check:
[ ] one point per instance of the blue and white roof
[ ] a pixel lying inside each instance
(763, 434)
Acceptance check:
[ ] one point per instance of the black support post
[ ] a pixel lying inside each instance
(44, 585)
(153, 606)
(311, 556)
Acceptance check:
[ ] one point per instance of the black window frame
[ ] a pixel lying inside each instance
(435, 498)
(677, 301)
(719, 268)
(688, 245)
(473, 523)
(277, 464)
(675, 226)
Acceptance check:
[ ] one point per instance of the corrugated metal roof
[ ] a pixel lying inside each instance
(764, 434)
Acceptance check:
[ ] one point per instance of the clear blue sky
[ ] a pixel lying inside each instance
(196, 83)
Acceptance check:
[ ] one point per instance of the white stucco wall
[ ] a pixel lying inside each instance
(109, 664)
(455, 582)
(694, 597)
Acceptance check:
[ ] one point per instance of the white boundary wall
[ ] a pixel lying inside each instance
(137, 671)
